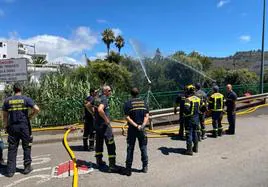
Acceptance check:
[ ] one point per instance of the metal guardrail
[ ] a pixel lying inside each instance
(165, 112)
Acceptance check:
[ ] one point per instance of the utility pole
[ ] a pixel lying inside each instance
(262, 58)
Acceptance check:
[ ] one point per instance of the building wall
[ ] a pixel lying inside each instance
(3, 49)
(12, 49)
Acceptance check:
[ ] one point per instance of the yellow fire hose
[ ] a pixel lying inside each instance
(71, 153)
(162, 133)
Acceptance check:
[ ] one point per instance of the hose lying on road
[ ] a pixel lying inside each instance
(71, 153)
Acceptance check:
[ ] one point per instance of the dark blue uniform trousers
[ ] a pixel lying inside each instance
(104, 132)
(231, 116)
(216, 121)
(16, 133)
(133, 134)
(191, 128)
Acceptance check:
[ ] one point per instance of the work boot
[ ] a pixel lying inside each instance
(85, 145)
(112, 167)
(214, 134)
(10, 174)
(189, 150)
(127, 171)
(195, 148)
(219, 132)
(203, 135)
(144, 169)
(100, 162)
(27, 169)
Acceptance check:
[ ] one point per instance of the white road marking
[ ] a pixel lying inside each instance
(34, 171)
(43, 177)
(35, 161)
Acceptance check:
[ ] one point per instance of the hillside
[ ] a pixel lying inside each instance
(243, 59)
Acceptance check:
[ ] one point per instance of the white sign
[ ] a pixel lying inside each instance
(13, 70)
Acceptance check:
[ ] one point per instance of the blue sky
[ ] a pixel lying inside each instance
(65, 28)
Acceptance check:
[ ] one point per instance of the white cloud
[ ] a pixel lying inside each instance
(222, 3)
(102, 21)
(117, 32)
(56, 46)
(13, 35)
(99, 55)
(65, 59)
(245, 38)
(2, 13)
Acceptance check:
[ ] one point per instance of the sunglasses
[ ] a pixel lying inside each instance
(109, 90)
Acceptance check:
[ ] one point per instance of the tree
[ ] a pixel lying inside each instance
(158, 56)
(114, 57)
(119, 42)
(108, 38)
(39, 60)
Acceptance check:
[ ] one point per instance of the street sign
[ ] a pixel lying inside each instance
(12, 70)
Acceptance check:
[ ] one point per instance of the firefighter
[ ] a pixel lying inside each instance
(89, 131)
(104, 131)
(203, 108)
(18, 127)
(231, 108)
(180, 100)
(137, 116)
(191, 115)
(216, 107)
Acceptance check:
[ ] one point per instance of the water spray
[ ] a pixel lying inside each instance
(135, 48)
(190, 67)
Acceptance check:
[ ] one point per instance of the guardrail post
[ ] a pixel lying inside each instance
(151, 125)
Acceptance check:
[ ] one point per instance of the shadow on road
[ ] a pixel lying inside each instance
(167, 150)
(78, 148)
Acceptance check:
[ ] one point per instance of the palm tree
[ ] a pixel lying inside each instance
(108, 38)
(119, 43)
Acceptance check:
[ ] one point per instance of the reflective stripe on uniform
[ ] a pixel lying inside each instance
(111, 156)
(98, 153)
(110, 141)
(137, 109)
(215, 97)
(192, 100)
(16, 109)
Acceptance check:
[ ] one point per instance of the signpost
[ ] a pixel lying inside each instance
(12, 70)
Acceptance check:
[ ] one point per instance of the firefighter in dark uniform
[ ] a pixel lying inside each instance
(89, 131)
(231, 108)
(104, 131)
(137, 116)
(203, 108)
(180, 100)
(216, 107)
(191, 115)
(18, 127)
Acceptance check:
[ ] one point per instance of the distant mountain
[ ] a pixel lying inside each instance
(242, 59)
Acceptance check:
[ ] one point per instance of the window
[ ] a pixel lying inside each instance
(4, 56)
(1, 44)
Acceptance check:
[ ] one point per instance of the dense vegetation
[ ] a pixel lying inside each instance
(60, 95)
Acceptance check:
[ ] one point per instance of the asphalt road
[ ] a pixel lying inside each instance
(234, 161)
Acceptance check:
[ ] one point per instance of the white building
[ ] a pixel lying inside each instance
(15, 49)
